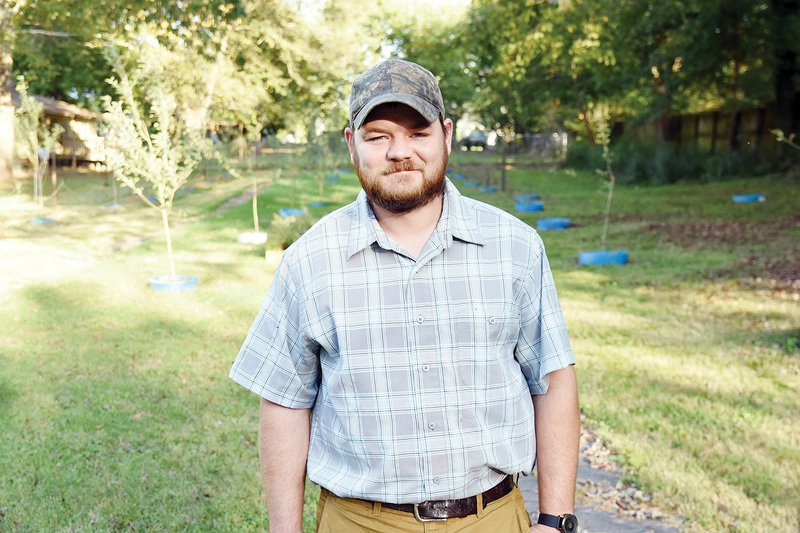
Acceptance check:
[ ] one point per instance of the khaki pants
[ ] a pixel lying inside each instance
(345, 515)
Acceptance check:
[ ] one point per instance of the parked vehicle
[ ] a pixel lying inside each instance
(476, 139)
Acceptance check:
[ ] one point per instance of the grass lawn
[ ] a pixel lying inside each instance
(116, 411)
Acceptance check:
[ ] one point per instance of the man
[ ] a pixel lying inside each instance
(406, 342)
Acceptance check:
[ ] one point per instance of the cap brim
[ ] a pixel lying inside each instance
(428, 111)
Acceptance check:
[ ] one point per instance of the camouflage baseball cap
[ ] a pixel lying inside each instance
(395, 80)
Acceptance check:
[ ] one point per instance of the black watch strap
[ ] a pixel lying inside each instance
(549, 520)
(566, 523)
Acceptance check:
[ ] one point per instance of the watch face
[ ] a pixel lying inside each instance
(569, 524)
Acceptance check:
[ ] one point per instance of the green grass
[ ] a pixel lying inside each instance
(116, 411)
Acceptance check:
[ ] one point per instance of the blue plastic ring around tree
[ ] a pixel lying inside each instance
(748, 198)
(527, 207)
(527, 197)
(488, 188)
(290, 212)
(470, 183)
(318, 204)
(458, 176)
(167, 283)
(603, 257)
(553, 223)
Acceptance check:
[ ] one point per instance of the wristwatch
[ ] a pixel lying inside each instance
(566, 523)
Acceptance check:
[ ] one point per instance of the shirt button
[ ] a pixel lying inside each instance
(425, 368)
(420, 319)
(436, 481)
(431, 426)
(491, 320)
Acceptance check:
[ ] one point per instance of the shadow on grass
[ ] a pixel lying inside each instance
(7, 392)
(129, 420)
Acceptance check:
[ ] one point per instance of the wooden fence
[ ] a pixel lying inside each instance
(747, 130)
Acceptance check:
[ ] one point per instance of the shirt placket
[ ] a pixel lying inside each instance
(426, 363)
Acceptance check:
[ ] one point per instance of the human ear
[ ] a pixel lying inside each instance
(447, 125)
(349, 138)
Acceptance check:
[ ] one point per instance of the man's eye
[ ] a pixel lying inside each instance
(420, 134)
(375, 138)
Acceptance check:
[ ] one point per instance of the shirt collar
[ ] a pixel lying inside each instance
(456, 222)
(459, 220)
(364, 228)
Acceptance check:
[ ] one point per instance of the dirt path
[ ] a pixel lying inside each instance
(605, 504)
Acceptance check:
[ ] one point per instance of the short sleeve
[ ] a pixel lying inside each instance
(543, 344)
(277, 360)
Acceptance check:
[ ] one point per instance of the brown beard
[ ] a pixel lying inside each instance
(403, 201)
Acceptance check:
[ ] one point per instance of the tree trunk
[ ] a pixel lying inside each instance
(736, 127)
(168, 235)
(736, 130)
(787, 112)
(6, 102)
(212, 80)
(243, 141)
(588, 123)
(696, 131)
(503, 166)
(255, 204)
(453, 141)
(53, 169)
(715, 121)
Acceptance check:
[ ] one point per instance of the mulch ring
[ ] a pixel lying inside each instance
(780, 269)
(700, 233)
(777, 273)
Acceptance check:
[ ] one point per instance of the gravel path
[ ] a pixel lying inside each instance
(605, 504)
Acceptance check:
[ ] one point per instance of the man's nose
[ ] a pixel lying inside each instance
(399, 149)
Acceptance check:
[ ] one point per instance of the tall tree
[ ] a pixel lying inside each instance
(50, 45)
(9, 10)
(443, 50)
(49, 40)
(784, 29)
(644, 59)
(544, 63)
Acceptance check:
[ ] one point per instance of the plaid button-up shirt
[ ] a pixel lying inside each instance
(419, 371)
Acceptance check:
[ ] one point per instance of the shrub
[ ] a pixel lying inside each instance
(655, 162)
(658, 162)
(730, 164)
(583, 155)
(285, 230)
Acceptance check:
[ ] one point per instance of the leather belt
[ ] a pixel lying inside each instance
(441, 510)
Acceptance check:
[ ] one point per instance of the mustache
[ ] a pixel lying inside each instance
(402, 166)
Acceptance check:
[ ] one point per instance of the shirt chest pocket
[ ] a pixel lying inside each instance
(484, 325)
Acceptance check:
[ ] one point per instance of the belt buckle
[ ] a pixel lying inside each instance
(421, 519)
